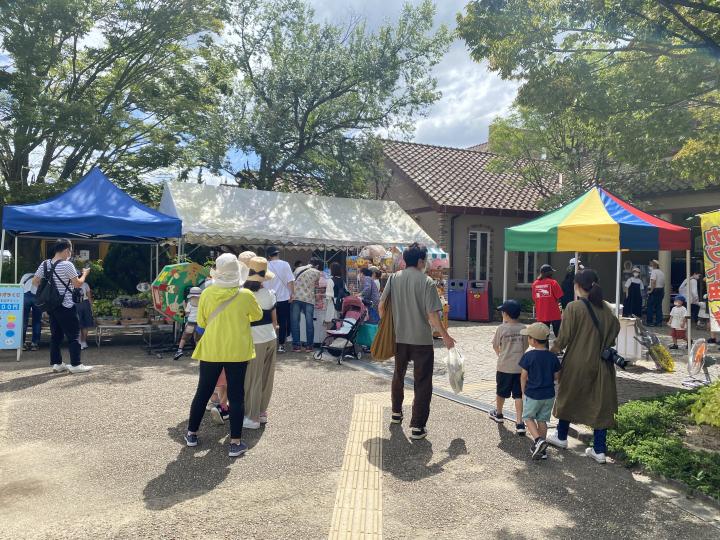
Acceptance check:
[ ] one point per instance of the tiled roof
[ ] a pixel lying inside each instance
(482, 147)
(454, 177)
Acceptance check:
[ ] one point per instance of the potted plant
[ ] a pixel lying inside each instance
(132, 307)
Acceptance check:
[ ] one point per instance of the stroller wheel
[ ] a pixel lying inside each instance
(317, 355)
(358, 354)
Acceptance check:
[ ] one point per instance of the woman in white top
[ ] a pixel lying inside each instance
(261, 370)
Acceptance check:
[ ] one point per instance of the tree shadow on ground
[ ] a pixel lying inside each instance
(589, 494)
(409, 460)
(196, 471)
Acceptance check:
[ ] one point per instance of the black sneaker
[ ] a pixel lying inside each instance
(418, 433)
(281, 349)
(673, 347)
(396, 418)
(544, 454)
(237, 449)
(539, 448)
(520, 428)
(496, 417)
(191, 439)
(178, 355)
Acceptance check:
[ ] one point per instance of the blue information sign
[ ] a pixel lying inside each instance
(11, 316)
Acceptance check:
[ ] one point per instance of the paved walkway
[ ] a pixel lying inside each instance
(101, 455)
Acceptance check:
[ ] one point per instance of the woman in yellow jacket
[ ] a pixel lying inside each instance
(225, 312)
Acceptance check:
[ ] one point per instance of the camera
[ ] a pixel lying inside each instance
(611, 355)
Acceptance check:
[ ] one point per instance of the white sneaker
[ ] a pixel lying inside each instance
(555, 441)
(80, 368)
(249, 423)
(83, 346)
(59, 368)
(600, 458)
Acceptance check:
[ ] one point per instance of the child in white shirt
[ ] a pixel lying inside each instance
(678, 321)
(191, 310)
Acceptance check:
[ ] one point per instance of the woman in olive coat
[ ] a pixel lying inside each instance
(586, 393)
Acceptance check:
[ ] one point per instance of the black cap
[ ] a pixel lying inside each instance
(272, 251)
(546, 268)
(512, 308)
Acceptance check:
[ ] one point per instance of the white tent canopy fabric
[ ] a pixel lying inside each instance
(215, 215)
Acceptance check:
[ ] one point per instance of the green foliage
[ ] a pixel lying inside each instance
(102, 285)
(105, 308)
(313, 94)
(649, 433)
(127, 265)
(611, 91)
(127, 86)
(706, 410)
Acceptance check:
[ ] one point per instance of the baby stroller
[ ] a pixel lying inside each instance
(340, 341)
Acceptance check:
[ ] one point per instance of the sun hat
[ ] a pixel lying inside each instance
(572, 261)
(537, 331)
(511, 307)
(680, 297)
(546, 268)
(195, 291)
(258, 270)
(228, 272)
(245, 257)
(655, 261)
(636, 269)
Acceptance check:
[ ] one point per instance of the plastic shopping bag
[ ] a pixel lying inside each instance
(456, 369)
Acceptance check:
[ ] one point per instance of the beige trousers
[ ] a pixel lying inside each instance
(259, 379)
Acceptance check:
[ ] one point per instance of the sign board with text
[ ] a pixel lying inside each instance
(11, 317)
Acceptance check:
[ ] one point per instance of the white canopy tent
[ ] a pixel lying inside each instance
(216, 215)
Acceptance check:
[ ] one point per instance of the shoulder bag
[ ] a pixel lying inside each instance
(609, 354)
(217, 311)
(383, 346)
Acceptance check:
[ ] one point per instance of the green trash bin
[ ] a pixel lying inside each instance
(366, 334)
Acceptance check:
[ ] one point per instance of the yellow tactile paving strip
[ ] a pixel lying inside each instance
(358, 503)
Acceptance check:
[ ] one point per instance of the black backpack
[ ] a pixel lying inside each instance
(48, 298)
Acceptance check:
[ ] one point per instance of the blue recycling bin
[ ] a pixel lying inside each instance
(457, 298)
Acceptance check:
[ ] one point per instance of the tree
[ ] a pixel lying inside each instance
(122, 84)
(312, 95)
(622, 92)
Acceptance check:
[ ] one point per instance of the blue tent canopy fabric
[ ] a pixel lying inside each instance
(94, 208)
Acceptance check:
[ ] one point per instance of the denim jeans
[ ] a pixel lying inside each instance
(30, 307)
(296, 309)
(599, 436)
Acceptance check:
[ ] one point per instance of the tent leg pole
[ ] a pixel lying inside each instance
(505, 276)
(2, 253)
(15, 258)
(617, 283)
(690, 322)
(157, 260)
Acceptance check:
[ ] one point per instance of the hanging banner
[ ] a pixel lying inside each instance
(11, 317)
(710, 224)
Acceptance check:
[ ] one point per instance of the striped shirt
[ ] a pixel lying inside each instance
(65, 271)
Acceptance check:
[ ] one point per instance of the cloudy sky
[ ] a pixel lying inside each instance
(472, 96)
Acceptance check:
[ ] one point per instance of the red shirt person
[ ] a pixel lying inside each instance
(546, 293)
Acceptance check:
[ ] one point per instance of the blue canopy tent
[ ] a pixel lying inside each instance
(93, 209)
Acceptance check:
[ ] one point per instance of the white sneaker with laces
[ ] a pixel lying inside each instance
(600, 458)
(249, 423)
(555, 441)
(80, 368)
(59, 368)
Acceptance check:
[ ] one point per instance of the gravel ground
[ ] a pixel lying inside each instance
(100, 455)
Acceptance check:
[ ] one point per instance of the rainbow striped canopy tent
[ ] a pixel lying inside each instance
(595, 222)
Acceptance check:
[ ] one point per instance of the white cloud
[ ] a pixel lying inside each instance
(472, 96)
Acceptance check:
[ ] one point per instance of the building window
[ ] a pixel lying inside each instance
(479, 256)
(526, 267)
